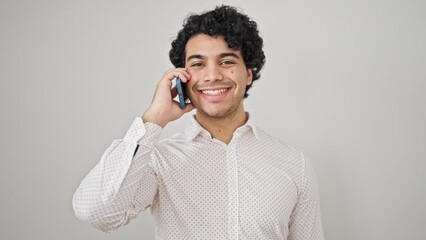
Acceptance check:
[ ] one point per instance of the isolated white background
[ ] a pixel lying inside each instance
(344, 80)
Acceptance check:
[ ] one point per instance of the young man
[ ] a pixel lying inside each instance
(221, 178)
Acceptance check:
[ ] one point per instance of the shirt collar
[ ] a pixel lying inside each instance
(194, 129)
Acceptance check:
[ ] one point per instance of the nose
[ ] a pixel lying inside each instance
(212, 73)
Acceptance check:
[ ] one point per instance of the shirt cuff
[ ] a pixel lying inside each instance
(138, 129)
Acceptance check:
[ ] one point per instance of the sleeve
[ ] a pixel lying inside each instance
(305, 222)
(124, 181)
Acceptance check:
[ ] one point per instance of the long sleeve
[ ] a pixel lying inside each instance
(306, 223)
(123, 183)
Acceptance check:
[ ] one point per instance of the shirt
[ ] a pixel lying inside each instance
(197, 187)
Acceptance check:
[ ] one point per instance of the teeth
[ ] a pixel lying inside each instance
(214, 92)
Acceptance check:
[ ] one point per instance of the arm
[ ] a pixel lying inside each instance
(124, 182)
(305, 222)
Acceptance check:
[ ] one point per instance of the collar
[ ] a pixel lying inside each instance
(194, 129)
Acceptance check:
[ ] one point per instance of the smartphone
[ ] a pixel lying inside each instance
(181, 89)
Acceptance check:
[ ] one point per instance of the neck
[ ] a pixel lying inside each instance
(223, 128)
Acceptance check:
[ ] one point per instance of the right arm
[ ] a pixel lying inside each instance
(124, 182)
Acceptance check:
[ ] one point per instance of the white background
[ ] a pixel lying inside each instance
(344, 80)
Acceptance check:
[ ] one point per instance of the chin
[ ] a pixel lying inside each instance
(211, 113)
(217, 112)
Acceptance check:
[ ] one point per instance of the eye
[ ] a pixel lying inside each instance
(227, 62)
(197, 64)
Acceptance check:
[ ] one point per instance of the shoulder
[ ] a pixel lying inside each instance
(281, 154)
(276, 144)
(174, 141)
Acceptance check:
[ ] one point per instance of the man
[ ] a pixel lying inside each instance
(221, 178)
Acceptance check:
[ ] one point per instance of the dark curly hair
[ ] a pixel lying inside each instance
(239, 32)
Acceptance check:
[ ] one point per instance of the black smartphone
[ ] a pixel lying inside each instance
(181, 89)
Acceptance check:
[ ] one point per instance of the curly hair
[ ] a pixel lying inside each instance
(239, 32)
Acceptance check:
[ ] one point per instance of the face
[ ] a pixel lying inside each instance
(218, 76)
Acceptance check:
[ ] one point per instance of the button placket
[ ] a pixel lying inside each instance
(232, 172)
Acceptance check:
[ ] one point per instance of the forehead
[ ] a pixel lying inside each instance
(209, 46)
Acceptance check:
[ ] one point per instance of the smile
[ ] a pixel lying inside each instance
(214, 92)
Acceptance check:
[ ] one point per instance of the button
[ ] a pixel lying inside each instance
(234, 222)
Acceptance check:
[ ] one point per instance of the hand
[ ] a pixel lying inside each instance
(163, 108)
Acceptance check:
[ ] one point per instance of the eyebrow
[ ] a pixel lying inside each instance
(222, 55)
(197, 56)
(228, 54)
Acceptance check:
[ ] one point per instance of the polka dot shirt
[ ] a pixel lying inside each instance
(255, 187)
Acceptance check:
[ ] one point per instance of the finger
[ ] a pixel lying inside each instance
(174, 92)
(177, 72)
(186, 75)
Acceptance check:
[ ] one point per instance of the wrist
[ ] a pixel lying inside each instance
(154, 118)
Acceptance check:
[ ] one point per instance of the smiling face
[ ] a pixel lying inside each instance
(218, 77)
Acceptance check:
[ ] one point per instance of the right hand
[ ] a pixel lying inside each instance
(163, 108)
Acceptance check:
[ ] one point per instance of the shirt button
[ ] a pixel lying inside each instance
(234, 222)
(233, 185)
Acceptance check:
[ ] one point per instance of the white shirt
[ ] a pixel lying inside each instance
(197, 187)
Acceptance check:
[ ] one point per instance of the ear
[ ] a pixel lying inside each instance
(249, 76)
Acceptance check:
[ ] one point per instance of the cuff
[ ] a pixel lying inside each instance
(138, 129)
